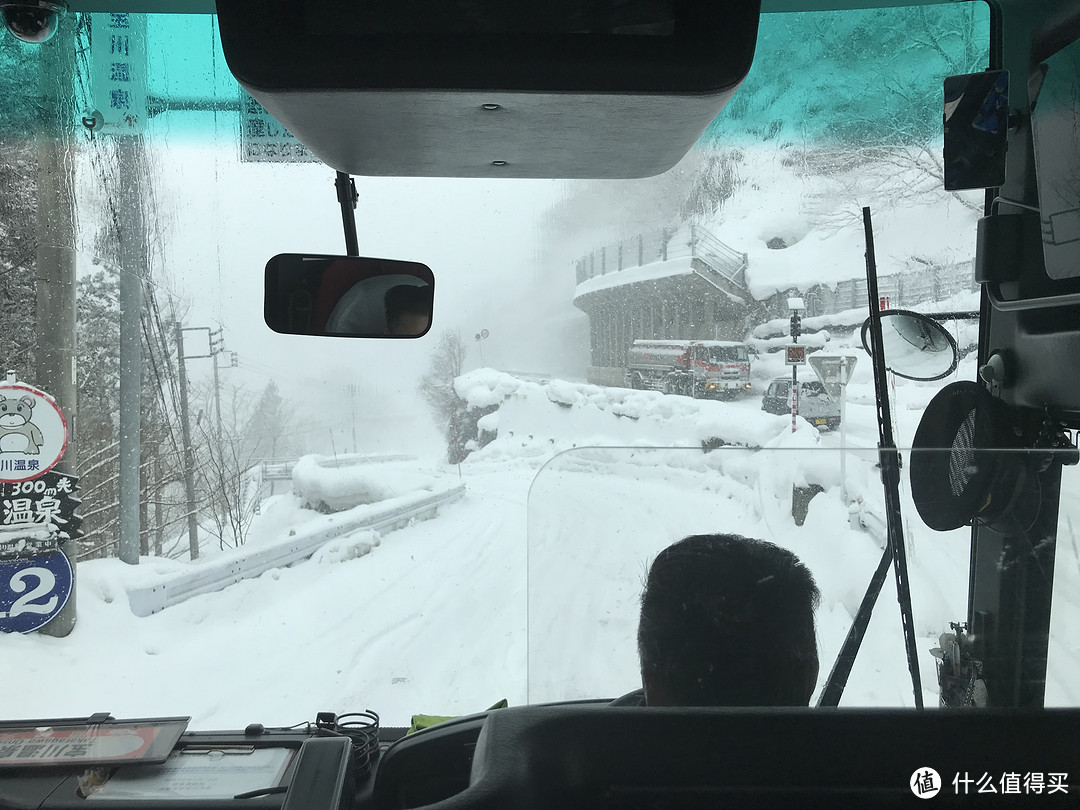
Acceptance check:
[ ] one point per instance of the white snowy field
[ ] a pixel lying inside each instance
(527, 588)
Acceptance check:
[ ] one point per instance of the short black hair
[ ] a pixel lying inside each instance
(406, 299)
(729, 621)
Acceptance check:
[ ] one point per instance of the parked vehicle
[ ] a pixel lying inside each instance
(815, 405)
(695, 368)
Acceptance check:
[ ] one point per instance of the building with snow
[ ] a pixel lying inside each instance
(683, 283)
(675, 283)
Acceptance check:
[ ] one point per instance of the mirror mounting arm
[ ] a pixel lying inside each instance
(347, 197)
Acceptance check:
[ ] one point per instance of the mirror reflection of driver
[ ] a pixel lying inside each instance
(408, 309)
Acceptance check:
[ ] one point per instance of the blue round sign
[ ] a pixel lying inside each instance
(33, 590)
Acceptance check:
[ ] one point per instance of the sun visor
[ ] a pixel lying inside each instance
(492, 88)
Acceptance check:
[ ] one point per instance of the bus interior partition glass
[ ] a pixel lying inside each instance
(535, 486)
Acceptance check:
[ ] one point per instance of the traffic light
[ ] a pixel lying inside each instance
(796, 325)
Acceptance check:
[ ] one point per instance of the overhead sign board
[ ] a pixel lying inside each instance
(118, 51)
(33, 432)
(834, 371)
(795, 355)
(264, 140)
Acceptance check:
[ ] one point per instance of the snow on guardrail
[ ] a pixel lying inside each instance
(220, 573)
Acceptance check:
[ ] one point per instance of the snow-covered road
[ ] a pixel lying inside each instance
(526, 589)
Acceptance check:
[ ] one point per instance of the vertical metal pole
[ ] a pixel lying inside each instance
(159, 515)
(347, 197)
(843, 434)
(217, 394)
(55, 268)
(794, 377)
(132, 238)
(189, 455)
(794, 395)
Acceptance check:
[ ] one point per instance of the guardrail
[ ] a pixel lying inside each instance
(220, 573)
(280, 469)
(688, 240)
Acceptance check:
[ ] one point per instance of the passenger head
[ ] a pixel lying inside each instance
(728, 621)
(408, 309)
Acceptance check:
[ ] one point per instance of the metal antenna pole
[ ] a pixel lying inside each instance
(347, 197)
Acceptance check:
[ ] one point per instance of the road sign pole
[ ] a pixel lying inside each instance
(834, 373)
(794, 395)
(843, 440)
(794, 305)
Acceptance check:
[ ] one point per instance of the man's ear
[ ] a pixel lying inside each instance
(656, 693)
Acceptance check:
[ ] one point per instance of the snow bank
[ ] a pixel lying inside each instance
(334, 484)
(540, 419)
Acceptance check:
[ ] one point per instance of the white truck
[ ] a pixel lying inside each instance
(713, 369)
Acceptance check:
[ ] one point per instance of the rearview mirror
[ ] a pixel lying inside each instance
(348, 296)
(916, 347)
(976, 129)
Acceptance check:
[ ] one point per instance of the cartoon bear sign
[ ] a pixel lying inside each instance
(33, 432)
(17, 432)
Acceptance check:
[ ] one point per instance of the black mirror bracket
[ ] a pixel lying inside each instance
(347, 197)
(1053, 436)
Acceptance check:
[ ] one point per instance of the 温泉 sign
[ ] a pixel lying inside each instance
(33, 432)
(118, 51)
(36, 515)
(795, 355)
(33, 590)
(37, 509)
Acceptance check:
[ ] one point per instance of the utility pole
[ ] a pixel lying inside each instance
(185, 421)
(133, 254)
(55, 266)
(189, 455)
(351, 392)
(215, 349)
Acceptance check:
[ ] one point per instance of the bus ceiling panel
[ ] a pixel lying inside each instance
(1057, 14)
(571, 88)
(142, 6)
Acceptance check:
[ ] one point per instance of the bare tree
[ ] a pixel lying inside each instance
(437, 389)
(224, 466)
(437, 384)
(229, 455)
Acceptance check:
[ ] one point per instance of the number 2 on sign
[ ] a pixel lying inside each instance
(25, 603)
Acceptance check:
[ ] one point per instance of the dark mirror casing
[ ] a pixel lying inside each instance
(348, 296)
(976, 121)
